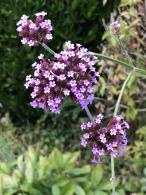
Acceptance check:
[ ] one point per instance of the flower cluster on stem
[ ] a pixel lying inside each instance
(110, 140)
(34, 33)
(70, 74)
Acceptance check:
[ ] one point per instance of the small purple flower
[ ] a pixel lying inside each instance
(70, 74)
(66, 92)
(94, 150)
(84, 142)
(62, 77)
(73, 83)
(116, 26)
(102, 138)
(113, 131)
(83, 126)
(86, 136)
(89, 124)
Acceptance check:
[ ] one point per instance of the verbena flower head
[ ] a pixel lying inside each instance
(34, 33)
(70, 74)
(110, 140)
(116, 26)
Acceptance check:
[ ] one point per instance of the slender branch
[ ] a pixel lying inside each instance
(113, 176)
(48, 48)
(101, 56)
(137, 70)
(121, 93)
(89, 114)
(140, 71)
(115, 113)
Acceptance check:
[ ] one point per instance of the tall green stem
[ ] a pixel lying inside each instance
(113, 175)
(115, 113)
(89, 114)
(121, 93)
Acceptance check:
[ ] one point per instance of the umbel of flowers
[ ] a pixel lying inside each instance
(34, 33)
(71, 74)
(105, 140)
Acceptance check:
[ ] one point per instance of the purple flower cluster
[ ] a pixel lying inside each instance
(34, 33)
(109, 140)
(71, 74)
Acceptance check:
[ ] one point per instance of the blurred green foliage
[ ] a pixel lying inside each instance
(10, 145)
(131, 41)
(56, 174)
(65, 174)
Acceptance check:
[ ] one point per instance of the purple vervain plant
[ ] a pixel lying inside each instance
(72, 73)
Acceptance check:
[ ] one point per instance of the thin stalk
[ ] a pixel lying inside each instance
(140, 71)
(121, 93)
(89, 114)
(115, 113)
(113, 175)
(101, 56)
(48, 48)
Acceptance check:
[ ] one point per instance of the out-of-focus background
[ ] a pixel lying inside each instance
(40, 153)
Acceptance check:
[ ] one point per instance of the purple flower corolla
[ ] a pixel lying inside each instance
(108, 140)
(34, 33)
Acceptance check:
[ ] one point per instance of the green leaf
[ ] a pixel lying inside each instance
(4, 168)
(69, 189)
(9, 182)
(57, 158)
(20, 163)
(79, 171)
(30, 164)
(71, 157)
(79, 190)
(35, 192)
(142, 131)
(131, 113)
(55, 190)
(127, 2)
(102, 85)
(100, 193)
(105, 186)
(96, 175)
(11, 192)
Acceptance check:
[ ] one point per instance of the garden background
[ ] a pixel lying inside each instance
(52, 160)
